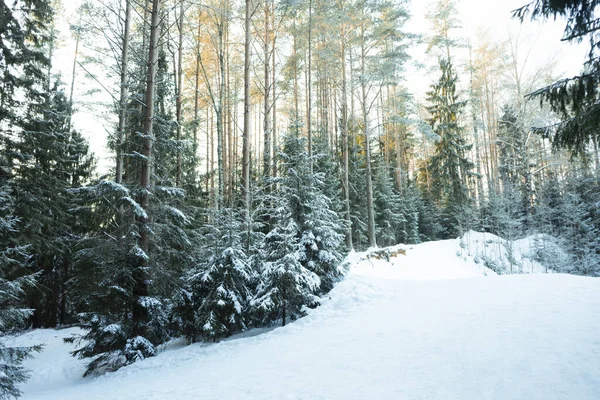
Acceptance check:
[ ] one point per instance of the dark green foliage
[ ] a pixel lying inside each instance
(389, 216)
(104, 282)
(220, 284)
(14, 278)
(576, 100)
(449, 167)
(357, 190)
(124, 291)
(286, 287)
(23, 29)
(430, 227)
(300, 256)
(322, 232)
(569, 212)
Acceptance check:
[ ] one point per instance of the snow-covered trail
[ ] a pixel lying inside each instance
(388, 331)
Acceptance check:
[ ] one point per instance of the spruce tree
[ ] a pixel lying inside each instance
(300, 256)
(576, 99)
(449, 166)
(220, 284)
(323, 227)
(285, 286)
(14, 278)
(24, 32)
(389, 216)
(141, 239)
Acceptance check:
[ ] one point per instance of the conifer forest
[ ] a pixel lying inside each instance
(249, 146)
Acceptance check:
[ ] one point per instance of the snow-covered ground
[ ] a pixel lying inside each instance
(431, 324)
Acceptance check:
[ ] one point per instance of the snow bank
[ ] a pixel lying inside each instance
(520, 256)
(404, 329)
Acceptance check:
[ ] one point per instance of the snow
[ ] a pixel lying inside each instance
(430, 324)
(516, 256)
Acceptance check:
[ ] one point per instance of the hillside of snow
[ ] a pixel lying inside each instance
(433, 322)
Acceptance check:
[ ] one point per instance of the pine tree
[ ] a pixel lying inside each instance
(575, 99)
(24, 31)
(300, 256)
(410, 201)
(581, 236)
(141, 239)
(514, 159)
(49, 161)
(14, 278)
(285, 286)
(104, 283)
(357, 188)
(323, 228)
(220, 285)
(449, 166)
(389, 217)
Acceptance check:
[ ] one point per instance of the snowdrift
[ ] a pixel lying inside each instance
(433, 322)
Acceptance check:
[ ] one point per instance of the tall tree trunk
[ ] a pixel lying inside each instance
(74, 70)
(365, 111)
(229, 116)
(196, 95)
(208, 159)
(267, 97)
(246, 134)
(296, 85)
(221, 156)
(309, 85)
(274, 103)
(123, 94)
(212, 159)
(179, 97)
(475, 133)
(344, 131)
(141, 272)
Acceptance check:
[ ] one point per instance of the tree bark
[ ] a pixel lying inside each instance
(267, 96)
(179, 98)
(141, 273)
(246, 134)
(123, 95)
(344, 131)
(368, 173)
(309, 85)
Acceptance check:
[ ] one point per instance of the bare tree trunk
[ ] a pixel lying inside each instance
(179, 98)
(229, 116)
(246, 134)
(208, 159)
(212, 159)
(123, 95)
(296, 89)
(51, 46)
(309, 85)
(197, 94)
(267, 97)
(76, 55)
(475, 134)
(274, 105)
(344, 131)
(141, 273)
(221, 157)
(363, 85)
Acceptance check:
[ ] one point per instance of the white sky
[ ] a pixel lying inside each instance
(494, 16)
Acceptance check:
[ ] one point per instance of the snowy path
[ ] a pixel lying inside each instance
(388, 331)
